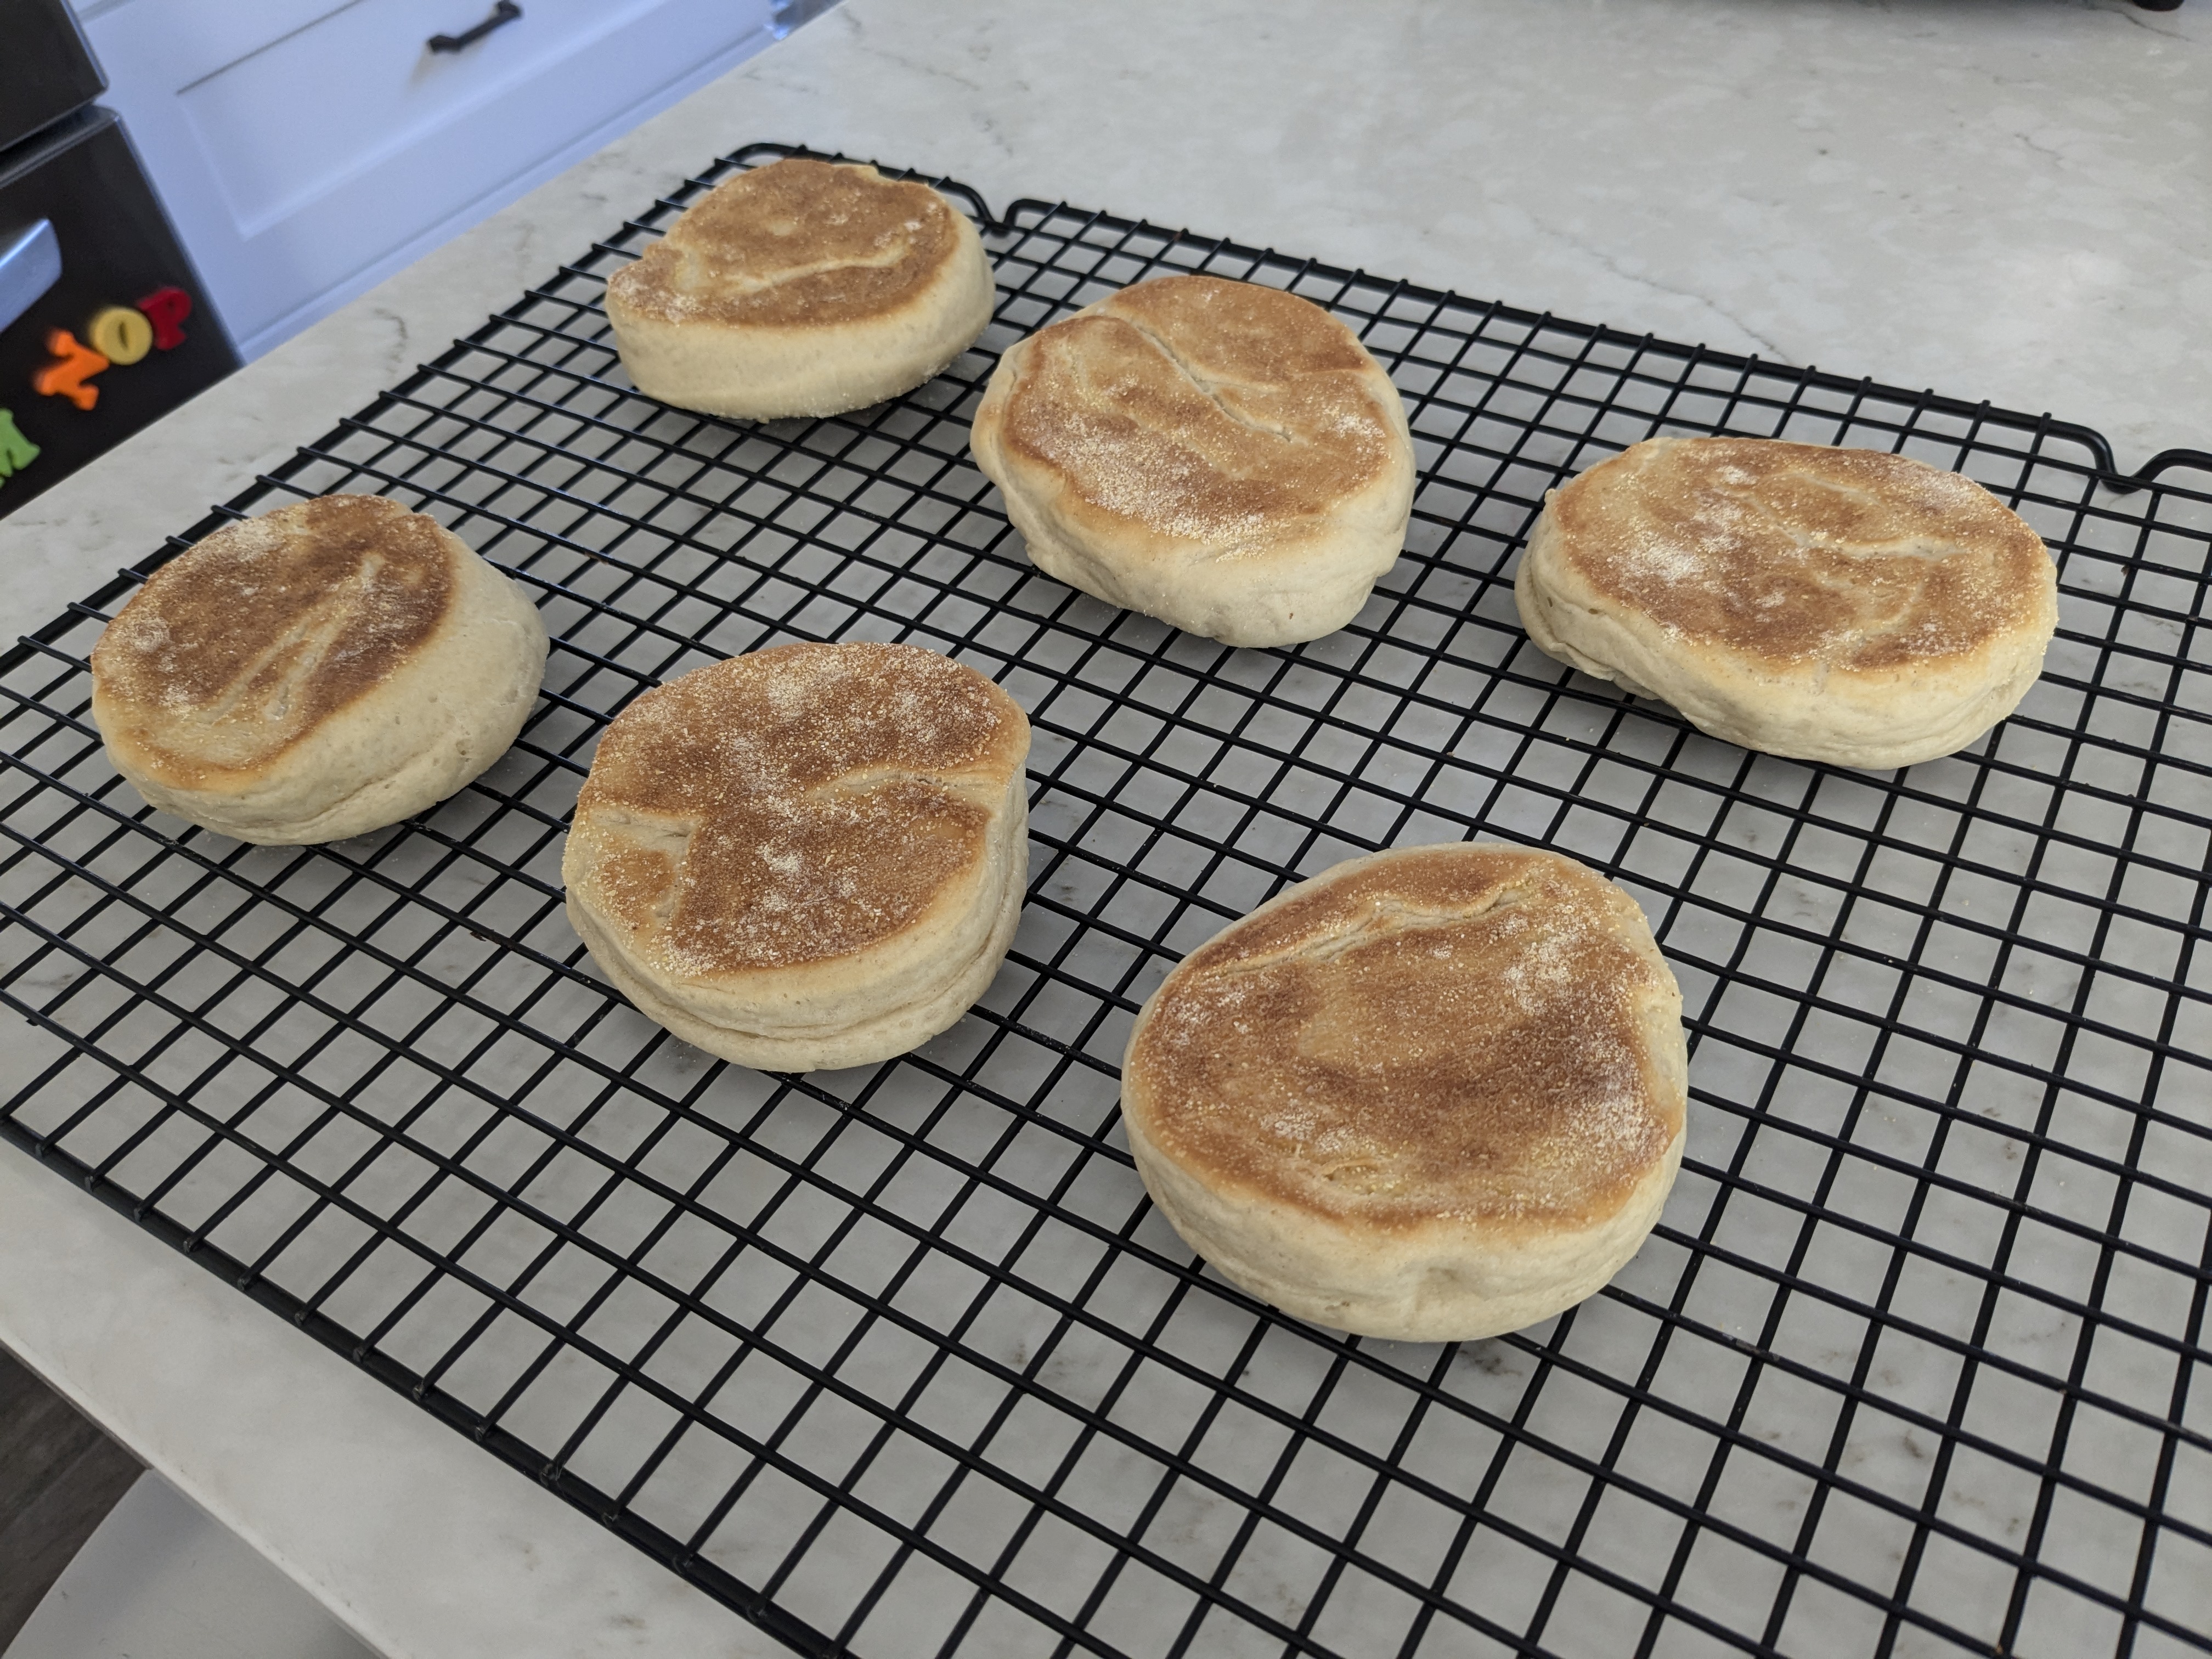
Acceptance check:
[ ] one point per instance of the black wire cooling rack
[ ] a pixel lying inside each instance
(899, 1361)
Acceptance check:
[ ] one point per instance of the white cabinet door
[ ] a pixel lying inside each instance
(308, 147)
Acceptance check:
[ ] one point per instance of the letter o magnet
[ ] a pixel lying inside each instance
(120, 335)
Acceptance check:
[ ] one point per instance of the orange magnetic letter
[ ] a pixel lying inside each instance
(65, 378)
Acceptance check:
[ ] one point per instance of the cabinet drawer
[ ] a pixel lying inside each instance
(300, 143)
(293, 119)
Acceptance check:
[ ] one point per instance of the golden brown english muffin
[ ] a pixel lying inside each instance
(810, 856)
(1226, 457)
(1834, 604)
(1432, 1094)
(322, 670)
(802, 288)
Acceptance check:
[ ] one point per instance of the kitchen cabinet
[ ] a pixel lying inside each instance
(306, 149)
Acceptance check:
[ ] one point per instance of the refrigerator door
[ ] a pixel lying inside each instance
(113, 330)
(45, 69)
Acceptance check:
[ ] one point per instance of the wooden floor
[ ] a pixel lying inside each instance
(59, 1476)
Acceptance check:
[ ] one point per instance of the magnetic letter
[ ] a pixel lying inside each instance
(121, 335)
(16, 451)
(167, 308)
(65, 377)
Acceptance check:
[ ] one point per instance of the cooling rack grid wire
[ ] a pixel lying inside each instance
(898, 1361)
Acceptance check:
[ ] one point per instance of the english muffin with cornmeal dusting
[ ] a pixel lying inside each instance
(801, 287)
(810, 856)
(319, 671)
(1226, 457)
(1844, 605)
(1433, 1094)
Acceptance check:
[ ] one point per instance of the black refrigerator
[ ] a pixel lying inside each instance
(104, 327)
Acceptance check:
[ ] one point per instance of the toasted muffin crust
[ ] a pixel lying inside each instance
(1464, 1035)
(1202, 408)
(798, 244)
(245, 647)
(1792, 553)
(1842, 605)
(793, 805)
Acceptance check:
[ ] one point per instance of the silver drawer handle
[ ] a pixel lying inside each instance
(502, 13)
(29, 264)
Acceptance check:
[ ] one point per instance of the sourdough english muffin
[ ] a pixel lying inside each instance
(1834, 604)
(1220, 455)
(322, 670)
(1433, 1094)
(810, 856)
(801, 287)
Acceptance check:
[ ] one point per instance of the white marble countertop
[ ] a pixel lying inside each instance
(2009, 201)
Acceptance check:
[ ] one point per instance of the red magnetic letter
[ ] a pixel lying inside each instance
(166, 307)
